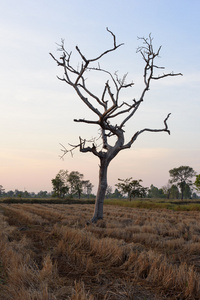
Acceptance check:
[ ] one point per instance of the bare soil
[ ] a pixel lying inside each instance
(48, 252)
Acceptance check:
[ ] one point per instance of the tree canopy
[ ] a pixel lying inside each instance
(60, 185)
(197, 183)
(72, 183)
(182, 175)
(131, 187)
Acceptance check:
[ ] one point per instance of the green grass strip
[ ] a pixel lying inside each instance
(150, 204)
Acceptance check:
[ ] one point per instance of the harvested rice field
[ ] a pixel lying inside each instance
(47, 252)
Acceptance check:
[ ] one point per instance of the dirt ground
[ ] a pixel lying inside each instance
(48, 252)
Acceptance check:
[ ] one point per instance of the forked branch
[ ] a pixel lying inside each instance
(135, 136)
(149, 56)
(107, 107)
(82, 147)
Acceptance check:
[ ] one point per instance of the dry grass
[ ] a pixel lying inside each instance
(47, 252)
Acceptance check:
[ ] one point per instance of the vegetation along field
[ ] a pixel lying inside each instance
(47, 252)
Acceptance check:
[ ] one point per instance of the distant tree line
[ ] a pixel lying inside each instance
(65, 184)
(23, 194)
(179, 186)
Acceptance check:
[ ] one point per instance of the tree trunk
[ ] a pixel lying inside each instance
(182, 185)
(98, 210)
(105, 159)
(181, 191)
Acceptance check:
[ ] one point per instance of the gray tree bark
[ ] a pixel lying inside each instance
(103, 183)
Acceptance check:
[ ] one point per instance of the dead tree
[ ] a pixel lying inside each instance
(107, 106)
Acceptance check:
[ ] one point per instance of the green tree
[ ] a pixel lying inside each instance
(194, 196)
(108, 191)
(187, 194)
(18, 193)
(60, 186)
(87, 187)
(75, 183)
(26, 194)
(131, 187)
(2, 190)
(174, 192)
(182, 176)
(155, 192)
(197, 183)
(42, 194)
(116, 194)
(10, 193)
(166, 190)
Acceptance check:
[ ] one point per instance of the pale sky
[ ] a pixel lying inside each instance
(37, 110)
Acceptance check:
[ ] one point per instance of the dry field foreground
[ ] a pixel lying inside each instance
(48, 253)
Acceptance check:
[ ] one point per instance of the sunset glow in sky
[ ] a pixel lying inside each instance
(37, 110)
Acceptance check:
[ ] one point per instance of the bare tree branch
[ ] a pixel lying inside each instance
(86, 121)
(113, 109)
(108, 105)
(135, 136)
(149, 57)
(166, 75)
(82, 148)
(135, 106)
